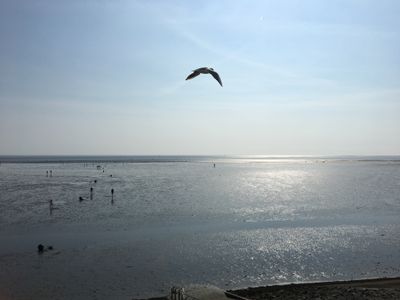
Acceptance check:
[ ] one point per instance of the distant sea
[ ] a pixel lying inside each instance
(230, 221)
(183, 158)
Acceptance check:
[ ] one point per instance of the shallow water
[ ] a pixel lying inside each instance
(246, 222)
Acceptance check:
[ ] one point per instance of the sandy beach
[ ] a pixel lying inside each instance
(368, 289)
(382, 288)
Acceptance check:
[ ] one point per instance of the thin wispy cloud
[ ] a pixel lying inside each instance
(125, 63)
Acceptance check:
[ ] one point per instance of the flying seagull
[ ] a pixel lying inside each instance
(205, 70)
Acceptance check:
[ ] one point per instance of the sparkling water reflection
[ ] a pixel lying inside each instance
(234, 225)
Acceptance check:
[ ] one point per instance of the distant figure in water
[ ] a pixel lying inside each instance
(81, 199)
(47, 173)
(42, 249)
(110, 175)
(51, 173)
(51, 206)
(91, 193)
(112, 196)
(214, 165)
(95, 181)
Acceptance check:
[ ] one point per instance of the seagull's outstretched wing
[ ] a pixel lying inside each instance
(193, 75)
(216, 76)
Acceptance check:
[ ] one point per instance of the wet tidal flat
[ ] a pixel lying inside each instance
(242, 223)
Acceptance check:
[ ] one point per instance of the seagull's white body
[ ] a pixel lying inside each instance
(205, 70)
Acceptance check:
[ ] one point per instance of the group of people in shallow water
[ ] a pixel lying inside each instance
(51, 204)
(91, 194)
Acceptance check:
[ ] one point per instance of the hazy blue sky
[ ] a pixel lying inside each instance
(108, 77)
